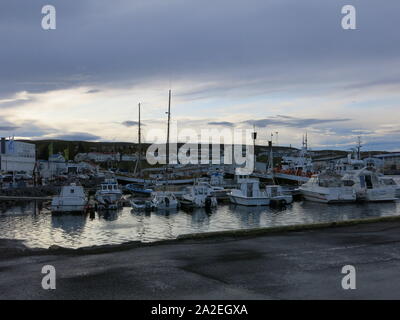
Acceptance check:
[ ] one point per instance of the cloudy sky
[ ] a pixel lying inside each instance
(284, 66)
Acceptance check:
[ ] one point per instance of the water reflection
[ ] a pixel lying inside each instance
(69, 223)
(109, 215)
(34, 223)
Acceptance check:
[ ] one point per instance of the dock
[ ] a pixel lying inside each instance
(23, 198)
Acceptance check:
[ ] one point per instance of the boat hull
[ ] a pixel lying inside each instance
(252, 202)
(326, 197)
(67, 208)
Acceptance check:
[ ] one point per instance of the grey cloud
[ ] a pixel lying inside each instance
(93, 91)
(98, 42)
(16, 102)
(8, 128)
(130, 123)
(287, 121)
(222, 123)
(77, 136)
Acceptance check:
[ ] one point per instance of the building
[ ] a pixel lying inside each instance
(391, 162)
(97, 157)
(56, 165)
(17, 156)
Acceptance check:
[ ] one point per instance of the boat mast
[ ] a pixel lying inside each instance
(359, 148)
(138, 165)
(168, 127)
(167, 146)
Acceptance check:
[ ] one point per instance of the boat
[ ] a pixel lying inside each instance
(391, 183)
(140, 204)
(109, 194)
(199, 195)
(277, 195)
(249, 193)
(138, 189)
(163, 200)
(369, 186)
(327, 187)
(72, 198)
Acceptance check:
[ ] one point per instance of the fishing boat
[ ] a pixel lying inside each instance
(391, 183)
(109, 194)
(327, 187)
(138, 189)
(140, 204)
(249, 193)
(199, 195)
(72, 198)
(164, 200)
(369, 186)
(277, 196)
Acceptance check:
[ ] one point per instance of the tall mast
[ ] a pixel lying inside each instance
(140, 143)
(359, 148)
(169, 120)
(167, 146)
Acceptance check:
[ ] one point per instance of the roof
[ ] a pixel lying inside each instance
(387, 155)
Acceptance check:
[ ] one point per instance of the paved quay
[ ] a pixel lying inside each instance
(288, 265)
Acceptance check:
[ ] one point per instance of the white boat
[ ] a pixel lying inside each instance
(391, 183)
(327, 187)
(71, 199)
(199, 196)
(369, 186)
(109, 194)
(348, 164)
(138, 204)
(276, 195)
(249, 194)
(163, 200)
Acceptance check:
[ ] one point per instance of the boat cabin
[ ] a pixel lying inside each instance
(72, 191)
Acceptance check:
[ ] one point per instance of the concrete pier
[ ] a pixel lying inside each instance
(299, 264)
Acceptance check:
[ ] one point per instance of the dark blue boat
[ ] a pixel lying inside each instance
(137, 188)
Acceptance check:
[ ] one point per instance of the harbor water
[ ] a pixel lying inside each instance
(38, 227)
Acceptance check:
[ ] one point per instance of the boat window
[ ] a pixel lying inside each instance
(109, 187)
(348, 183)
(249, 190)
(72, 190)
(389, 182)
(368, 181)
(362, 181)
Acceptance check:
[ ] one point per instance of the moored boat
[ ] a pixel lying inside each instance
(164, 200)
(327, 187)
(72, 198)
(369, 186)
(249, 193)
(109, 195)
(199, 196)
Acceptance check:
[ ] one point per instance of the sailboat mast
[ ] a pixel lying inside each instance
(140, 143)
(168, 127)
(167, 146)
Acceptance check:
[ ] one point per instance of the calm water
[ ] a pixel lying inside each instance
(39, 228)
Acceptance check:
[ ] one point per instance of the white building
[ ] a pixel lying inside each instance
(56, 165)
(97, 157)
(16, 156)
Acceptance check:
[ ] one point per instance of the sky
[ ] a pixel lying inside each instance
(283, 66)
